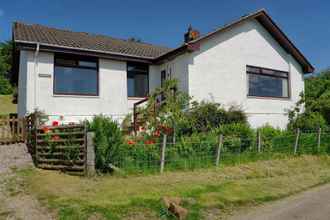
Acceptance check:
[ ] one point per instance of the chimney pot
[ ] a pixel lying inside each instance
(191, 34)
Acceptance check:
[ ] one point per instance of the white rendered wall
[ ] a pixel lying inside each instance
(178, 69)
(112, 100)
(218, 72)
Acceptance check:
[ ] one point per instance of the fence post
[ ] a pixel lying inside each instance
(297, 141)
(90, 154)
(219, 150)
(259, 141)
(162, 160)
(319, 139)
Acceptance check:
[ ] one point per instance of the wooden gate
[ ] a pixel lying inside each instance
(12, 130)
(61, 148)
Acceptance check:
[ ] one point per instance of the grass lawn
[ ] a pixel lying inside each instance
(207, 194)
(6, 105)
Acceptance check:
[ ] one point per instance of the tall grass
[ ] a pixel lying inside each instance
(190, 154)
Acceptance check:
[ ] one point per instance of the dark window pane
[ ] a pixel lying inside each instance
(87, 64)
(130, 87)
(65, 62)
(137, 80)
(78, 81)
(269, 86)
(253, 69)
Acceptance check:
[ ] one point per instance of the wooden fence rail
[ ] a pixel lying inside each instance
(12, 130)
(60, 148)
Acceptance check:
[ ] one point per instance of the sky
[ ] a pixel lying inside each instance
(163, 22)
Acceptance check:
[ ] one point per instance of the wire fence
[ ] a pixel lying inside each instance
(219, 151)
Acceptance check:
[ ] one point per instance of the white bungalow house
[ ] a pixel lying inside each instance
(75, 75)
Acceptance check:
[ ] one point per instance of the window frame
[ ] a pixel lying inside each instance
(148, 72)
(77, 58)
(261, 69)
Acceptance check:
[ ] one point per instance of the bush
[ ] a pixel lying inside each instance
(108, 141)
(268, 133)
(235, 115)
(237, 136)
(205, 116)
(5, 87)
(307, 121)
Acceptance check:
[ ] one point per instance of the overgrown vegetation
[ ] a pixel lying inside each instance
(108, 141)
(6, 76)
(313, 109)
(206, 193)
(193, 131)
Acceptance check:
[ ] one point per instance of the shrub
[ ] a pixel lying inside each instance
(205, 116)
(5, 87)
(268, 133)
(307, 121)
(235, 115)
(108, 141)
(126, 124)
(237, 135)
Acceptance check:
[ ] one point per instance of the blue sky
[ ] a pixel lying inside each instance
(163, 22)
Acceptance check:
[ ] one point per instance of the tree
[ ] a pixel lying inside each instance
(165, 107)
(6, 62)
(313, 109)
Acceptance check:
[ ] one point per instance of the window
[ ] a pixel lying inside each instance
(75, 75)
(265, 82)
(137, 80)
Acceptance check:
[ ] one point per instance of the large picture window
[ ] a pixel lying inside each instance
(137, 80)
(264, 82)
(75, 75)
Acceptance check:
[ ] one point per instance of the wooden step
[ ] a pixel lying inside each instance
(61, 141)
(81, 146)
(61, 167)
(57, 161)
(56, 154)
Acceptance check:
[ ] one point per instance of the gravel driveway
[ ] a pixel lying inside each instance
(15, 203)
(310, 205)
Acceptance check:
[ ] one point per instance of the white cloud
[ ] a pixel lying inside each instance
(1, 12)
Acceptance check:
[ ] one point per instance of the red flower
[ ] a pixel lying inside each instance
(149, 142)
(55, 123)
(157, 133)
(46, 130)
(56, 138)
(130, 142)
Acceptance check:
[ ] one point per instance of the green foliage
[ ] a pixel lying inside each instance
(5, 87)
(165, 106)
(108, 141)
(205, 116)
(268, 133)
(315, 101)
(307, 120)
(5, 68)
(238, 136)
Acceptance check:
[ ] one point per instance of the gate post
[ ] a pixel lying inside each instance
(90, 154)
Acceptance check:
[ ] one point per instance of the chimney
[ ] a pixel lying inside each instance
(191, 34)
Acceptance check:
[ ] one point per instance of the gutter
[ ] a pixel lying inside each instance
(82, 49)
(36, 73)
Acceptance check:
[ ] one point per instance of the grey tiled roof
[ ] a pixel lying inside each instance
(81, 40)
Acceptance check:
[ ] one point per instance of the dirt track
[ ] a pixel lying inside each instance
(14, 202)
(310, 205)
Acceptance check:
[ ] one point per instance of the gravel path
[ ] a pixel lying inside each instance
(14, 156)
(14, 202)
(310, 205)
